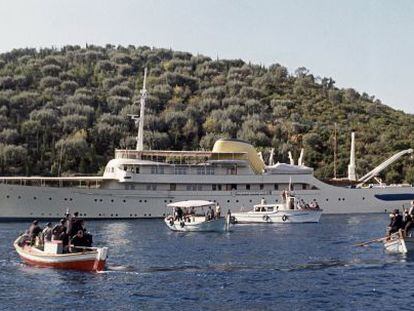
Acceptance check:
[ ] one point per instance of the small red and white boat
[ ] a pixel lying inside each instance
(88, 259)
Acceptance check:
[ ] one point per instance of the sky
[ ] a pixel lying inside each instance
(364, 44)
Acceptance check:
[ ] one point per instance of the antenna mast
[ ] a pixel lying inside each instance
(139, 120)
(335, 149)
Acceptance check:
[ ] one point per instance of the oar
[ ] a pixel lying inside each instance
(370, 241)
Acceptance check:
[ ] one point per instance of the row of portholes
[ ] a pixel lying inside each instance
(343, 199)
(57, 214)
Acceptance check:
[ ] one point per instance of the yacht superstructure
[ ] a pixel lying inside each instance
(140, 183)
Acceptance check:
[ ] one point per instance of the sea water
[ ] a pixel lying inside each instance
(254, 267)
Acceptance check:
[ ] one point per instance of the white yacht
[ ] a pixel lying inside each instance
(140, 183)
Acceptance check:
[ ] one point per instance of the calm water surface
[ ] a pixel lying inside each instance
(260, 267)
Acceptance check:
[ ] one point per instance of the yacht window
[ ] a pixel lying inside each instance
(201, 170)
(261, 186)
(209, 170)
(304, 186)
(276, 187)
(214, 187)
(247, 187)
(200, 187)
(257, 209)
(173, 187)
(219, 187)
(180, 170)
(233, 187)
(151, 187)
(137, 170)
(270, 208)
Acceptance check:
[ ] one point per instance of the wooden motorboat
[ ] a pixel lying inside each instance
(51, 256)
(399, 243)
(196, 222)
(289, 211)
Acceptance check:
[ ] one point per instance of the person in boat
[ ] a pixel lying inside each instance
(218, 211)
(409, 220)
(34, 231)
(68, 222)
(212, 214)
(47, 233)
(178, 213)
(76, 224)
(79, 240)
(396, 223)
(88, 237)
(59, 231)
(284, 195)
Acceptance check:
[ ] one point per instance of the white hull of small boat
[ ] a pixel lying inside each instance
(283, 216)
(398, 244)
(92, 259)
(199, 225)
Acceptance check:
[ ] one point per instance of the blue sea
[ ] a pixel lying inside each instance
(254, 267)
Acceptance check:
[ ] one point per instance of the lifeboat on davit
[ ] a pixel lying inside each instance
(51, 256)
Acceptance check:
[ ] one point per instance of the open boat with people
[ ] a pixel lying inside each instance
(51, 255)
(190, 216)
(291, 210)
(399, 243)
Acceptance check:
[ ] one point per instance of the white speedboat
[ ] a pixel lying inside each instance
(195, 221)
(398, 243)
(291, 210)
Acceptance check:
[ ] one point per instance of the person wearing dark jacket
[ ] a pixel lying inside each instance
(396, 223)
(59, 232)
(79, 240)
(34, 231)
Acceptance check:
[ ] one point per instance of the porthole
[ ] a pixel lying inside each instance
(250, 201)
(363, 198)
(116, 215)
(228, 201)
(145, 215)
(145, 201)
(237, 201)
(7, 196)
(70, 199)
(165, 201)
(130, 215)
(327, 200)
(339, 199)
(149, 214)
(343, 199)
(34, 198)
(96, 200)
(112, 215)
(50, 199)
(170, 201)
(31, 213)
(84, 214)
(66, 199)
(140, 201)
(19, 197)
(100, 200)
(112, 200)
(99, 214)
(163, 214)
(135, 215)
(124, 201)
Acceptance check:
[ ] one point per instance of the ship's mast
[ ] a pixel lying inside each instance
(351, 166)
(139, 120)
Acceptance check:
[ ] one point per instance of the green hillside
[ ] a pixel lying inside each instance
(63, 111)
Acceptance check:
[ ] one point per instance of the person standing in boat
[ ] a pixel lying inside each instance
(396, 223)
(409, 219)
(218, 210)
(76, 224)
(47, 233)
(34, 231)
(59, 231)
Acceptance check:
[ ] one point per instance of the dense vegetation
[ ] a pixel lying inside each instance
(63, 111)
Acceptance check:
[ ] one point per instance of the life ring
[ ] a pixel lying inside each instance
(266, 218)
(284, 218)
